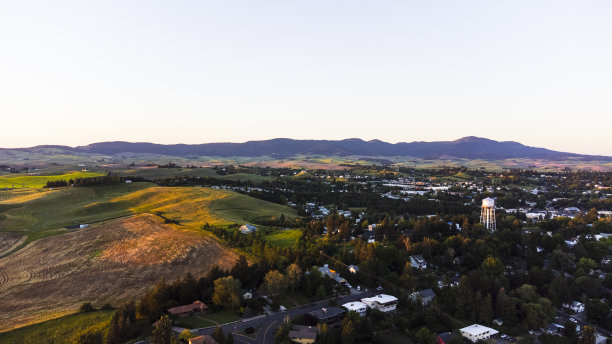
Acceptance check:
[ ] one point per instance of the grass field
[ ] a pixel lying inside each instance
(35, 181)
(112, 262)
(283, 238)
(190, 207)
(208, 319)
(60, 330)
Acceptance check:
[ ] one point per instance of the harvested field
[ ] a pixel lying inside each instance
(112, 262)
(8, 241)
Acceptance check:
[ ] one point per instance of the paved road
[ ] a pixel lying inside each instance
(270, 323)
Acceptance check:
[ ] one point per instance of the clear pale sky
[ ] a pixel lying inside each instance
(77, 72)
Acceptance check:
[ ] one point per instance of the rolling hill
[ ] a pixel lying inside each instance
(466, 148)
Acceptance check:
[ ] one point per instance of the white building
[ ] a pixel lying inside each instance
(477, 332)
(382, 302)
(418, 262)
(577, 307)
(247, 229)
(358, 307)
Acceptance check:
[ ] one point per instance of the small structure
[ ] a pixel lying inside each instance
(204, 339)
(326, 271)
(85, 225)
(418, 262)
(487, 214)
(247, 296)
(424, 296)
(357, 307)
(353, 269)
(303, 334)
(247, 229)
(186, 310)
(382, 302)
(477, 332)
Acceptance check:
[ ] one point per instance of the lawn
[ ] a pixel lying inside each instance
(61, 330)
(208, 319)
(284, 238)
(35, 181)
(241, 208)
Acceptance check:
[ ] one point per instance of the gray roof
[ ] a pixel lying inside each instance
(329, 313)
(427, 293)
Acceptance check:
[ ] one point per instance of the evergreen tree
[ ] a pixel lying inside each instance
(162, 333)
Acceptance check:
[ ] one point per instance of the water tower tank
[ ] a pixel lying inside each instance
(488, 202)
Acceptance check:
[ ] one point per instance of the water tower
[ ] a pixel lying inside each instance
(487, 214)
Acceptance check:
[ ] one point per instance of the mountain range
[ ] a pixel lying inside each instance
(466, 148)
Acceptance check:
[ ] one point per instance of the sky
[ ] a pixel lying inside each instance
(78, 72)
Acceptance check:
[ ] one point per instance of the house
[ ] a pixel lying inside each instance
(358, 307)
(247, 229)
(382, 302)
(303, 334)
(204, 339)
(325, 315)
(418, 262)
(424, 296)
(577, 307)
(185, 310)
(477, 332)
(353, 269)
(445, 338)
(326, 271)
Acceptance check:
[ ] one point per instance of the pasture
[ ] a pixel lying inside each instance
(283, 238)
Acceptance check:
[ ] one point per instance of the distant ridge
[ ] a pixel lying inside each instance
(470, 147)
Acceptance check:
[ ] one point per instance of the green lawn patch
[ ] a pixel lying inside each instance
(284, 238)
(61, 330)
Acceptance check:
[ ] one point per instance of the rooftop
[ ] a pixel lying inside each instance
(380, 298)
(476, 330)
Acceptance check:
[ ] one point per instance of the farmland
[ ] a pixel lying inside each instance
(39, 181)
(112, 262)
(190, 207)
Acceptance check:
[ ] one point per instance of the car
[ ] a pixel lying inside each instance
(358, 288)
(349, 285)
(573, 320)
(503, 336)
(379, 288)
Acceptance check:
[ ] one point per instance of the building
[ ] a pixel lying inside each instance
(186, 310)
(326, 271)
(303, 334)
(487, 214)
(324, 315)
(577, 307)
(204, 339)
(418, 262)
(477, 332)
(382, 302)
(424, 296)
(247, 229)
(445, 338)
(358, 307)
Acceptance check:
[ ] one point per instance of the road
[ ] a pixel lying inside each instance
(270, 323)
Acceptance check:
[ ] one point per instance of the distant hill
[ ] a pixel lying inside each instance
(467, 148)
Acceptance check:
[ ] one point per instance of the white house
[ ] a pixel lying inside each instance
(477, 332)
(382, 302)
(577, 307)
(418, 262)
(358, 307)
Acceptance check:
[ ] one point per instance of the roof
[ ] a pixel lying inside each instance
(302, 331)
(380, 298)
(196, 306)
(476, 330)
(354, 306)
(446, 336)
(204, 339)
(326, 313)
(427, 293)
